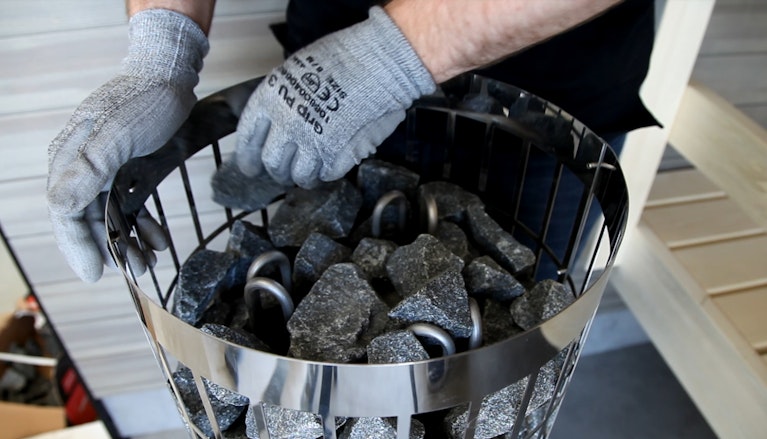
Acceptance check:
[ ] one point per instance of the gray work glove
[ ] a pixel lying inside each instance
(132, 115)
(331, 104)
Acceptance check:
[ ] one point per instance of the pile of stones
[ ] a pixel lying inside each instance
(366, 271)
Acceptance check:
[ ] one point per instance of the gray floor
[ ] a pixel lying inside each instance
(628, 393)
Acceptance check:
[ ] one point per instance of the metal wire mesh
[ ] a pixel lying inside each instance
(542, 175)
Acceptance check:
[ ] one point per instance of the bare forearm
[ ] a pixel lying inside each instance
(455, 36)
(200, 11)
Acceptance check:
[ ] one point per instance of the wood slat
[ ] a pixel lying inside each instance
(699, 222)
(680, 186)
(745, 309)
(726, 146)
(727, 265)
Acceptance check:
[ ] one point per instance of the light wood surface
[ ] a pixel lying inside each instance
(681, 186)
(746, 310)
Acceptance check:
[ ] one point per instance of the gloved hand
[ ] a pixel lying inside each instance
(331, 104)
(131, 115)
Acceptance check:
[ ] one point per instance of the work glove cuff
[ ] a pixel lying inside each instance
(165, 46)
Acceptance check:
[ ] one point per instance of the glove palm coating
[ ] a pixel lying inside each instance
(331, 104)
(131, 115)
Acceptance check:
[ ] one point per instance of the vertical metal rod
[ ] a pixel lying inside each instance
(472, 417)
(207, 405)
(260, 418)
(192, 205)
(522, 409)
(217, 160)
(403, 426)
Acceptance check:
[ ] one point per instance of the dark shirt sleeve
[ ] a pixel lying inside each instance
(593, 72)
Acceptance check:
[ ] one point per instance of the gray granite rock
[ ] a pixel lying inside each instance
(227, 405)
(235, 190)
(490, 238)
(247, 241)
(410, 266)
(235, 336)
(377, 177)
(330, 209)
(442, 301)
(452, 200)
(371, 255)
(497, 323)
(338, 318)
(485, 278)
(202, 277)
(496, 414)
(379, 428)
(454, 238)
(396, 347)
(543, 301)
(316, 254)
(284, 423)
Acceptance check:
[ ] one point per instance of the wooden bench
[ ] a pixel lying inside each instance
(695, 271)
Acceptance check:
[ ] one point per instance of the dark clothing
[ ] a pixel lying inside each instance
(593, 72)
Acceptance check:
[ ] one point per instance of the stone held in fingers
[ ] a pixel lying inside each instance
(338, 318)
(400, 346)
(546, 299)
(442, 301)
(202, 277)
(493, 240)
(330, 209)
(235, 190)
(485, 278)
(410, 266)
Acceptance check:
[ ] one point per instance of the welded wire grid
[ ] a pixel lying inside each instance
(194, 223)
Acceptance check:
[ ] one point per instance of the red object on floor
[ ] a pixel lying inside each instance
(77, 405)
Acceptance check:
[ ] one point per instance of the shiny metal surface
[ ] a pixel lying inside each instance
(462, 379)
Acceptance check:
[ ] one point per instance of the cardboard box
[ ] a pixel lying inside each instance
(20, 421)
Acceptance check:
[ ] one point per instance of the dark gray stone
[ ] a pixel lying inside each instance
(285, 423)
(454, 238)
(379, 428)
(202, 277)
(235, 190)
(410, 266)
(330, 209)
(543, 301)
(496, 414)
(316, 254)
(485, 278)
(248, 241)
(490, 237)
(371, 255)
(338, 318)
(235, 336)
(396, 347)
(497, 323)
(452, 200)
(227, 405)
(442, 301)
(377, 177)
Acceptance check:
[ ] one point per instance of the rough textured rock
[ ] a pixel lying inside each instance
(377, 177)
(316, 254)
(432, 259)
(330, 209)
(235, 190)
(485, 278)
(396, 347)
(454, 238)
(452, 200)
(442, 301)
(371, 255)
(227, 405)
(247, 241)
(543, 301)
(202, 277)
(378, 428)
(497, 323)
(490, 237)
(285, 424)
(338, 318)
(235, 336)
